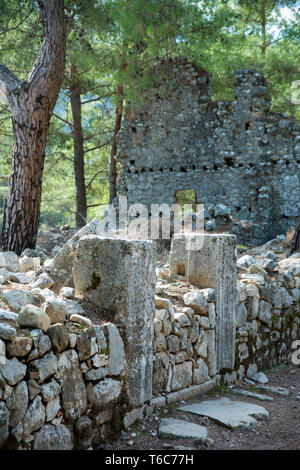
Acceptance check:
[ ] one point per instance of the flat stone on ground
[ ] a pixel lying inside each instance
(247, 393)
(233, 414)
(281, 391)
(176, 428)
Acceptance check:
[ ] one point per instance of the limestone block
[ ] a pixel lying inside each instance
(44, 367)
(19, 346)
(246, 261)
(34, 417)
(86, 344)
(17, 403)
(164, 317)
(51, 437)
(9, 260)
(64, 258)
(200, 373)
(106, 391)
(29, 264)
(116, 350)
(59, 337)
(119, 275)
(13, 371)
(200, 347)
(241, 314)
(34, 317)
(264, 312)
(196, 301)
(211, 263)
(74, 397)
(7, 331)
(182, 376)
(17, 298)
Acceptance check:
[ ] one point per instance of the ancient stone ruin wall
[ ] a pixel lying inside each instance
(190, 340)
(184, 345)
(60, 389)
(67, 381)
(268, 316)
(237, 153)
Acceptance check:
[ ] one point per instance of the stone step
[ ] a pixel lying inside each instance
(247, 393)
(281, 391)
(231, 413)
(171, 428)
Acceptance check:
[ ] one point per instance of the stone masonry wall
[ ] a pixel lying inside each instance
(236, 153)
(61, 382)
(67, 381)
(77, 364)
(268, 313)
(267, 320)
(184, 345)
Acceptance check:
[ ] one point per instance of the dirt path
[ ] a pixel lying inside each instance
(281, 432)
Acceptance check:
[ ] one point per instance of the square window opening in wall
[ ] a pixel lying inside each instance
(186, 196)
(180, 269)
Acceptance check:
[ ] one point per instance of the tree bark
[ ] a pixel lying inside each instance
(263, 28)
(118, 121)
(113, 151)
(81, 204)
(32, 103)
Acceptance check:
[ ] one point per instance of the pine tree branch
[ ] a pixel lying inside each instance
(8, 82)
(94, 177)
(97, 147)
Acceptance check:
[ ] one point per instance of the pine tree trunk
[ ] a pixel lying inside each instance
(32, 103)
(22, 208)
(263, 28)
(113, 152)
(118, 121)
(81, 204)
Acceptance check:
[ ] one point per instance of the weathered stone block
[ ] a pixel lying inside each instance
(17, 403)
(4, 423)
(119, 275)
(116, 350)
(44, 367)
(74, 397)
(212, 265)
(182, 376)
(106, 391)
(13, 371)
(200, 373)
(51, 437)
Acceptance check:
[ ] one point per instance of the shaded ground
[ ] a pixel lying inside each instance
(281, 432)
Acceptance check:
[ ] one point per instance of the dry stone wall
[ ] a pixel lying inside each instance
(268, 313)
(184, 343)
(265, 318)
(66, 381)
(236, 153)
(60, 386)
(77, 365)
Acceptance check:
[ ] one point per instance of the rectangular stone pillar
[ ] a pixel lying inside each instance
(209, 260)
(119, 275)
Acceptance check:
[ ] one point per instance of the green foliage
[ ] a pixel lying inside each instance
(118, 43)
